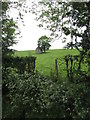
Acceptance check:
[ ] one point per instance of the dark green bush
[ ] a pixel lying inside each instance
(35, 96)
(22, 64)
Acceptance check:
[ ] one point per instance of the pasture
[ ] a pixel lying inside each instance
(45, 62)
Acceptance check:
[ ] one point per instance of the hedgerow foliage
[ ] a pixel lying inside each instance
(22, 64)
(36, 96)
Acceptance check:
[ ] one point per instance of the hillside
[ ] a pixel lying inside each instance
(45, 63)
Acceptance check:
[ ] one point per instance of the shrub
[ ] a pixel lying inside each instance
(19, 63)
(35, 96)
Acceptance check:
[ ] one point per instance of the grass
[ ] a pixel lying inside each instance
(45, 63)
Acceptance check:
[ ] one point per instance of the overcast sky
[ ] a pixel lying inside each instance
(31, 33)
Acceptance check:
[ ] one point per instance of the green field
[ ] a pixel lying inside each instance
(45, 63)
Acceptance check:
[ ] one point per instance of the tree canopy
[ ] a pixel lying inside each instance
(9, 28)
(69, 18)
(44, 43)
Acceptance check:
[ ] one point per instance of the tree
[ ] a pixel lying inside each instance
(44, 43)
(9, 28)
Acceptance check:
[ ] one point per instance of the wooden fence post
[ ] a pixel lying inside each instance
(71, 73)
(56, 67)
(66, 59)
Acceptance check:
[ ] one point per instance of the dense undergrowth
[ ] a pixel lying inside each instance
(36, 96)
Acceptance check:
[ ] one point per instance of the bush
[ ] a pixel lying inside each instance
(22, 64)
(36, 96)
(68, 101)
